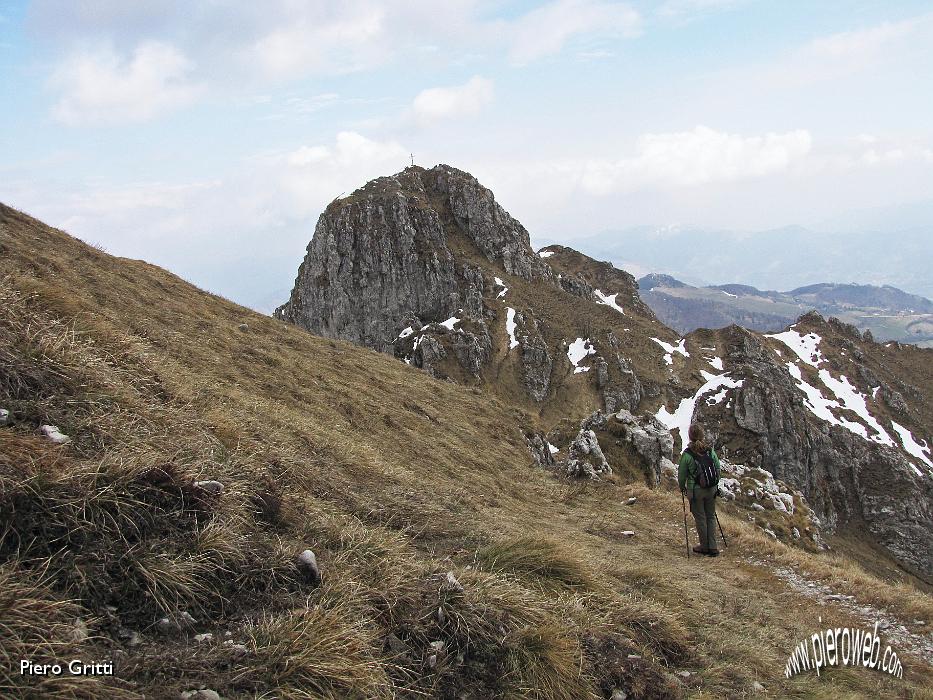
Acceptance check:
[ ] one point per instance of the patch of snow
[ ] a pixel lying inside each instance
(680, 347)
(553, 450)
(405, 333)
(510, 327)
(680, 419)
(716, 363)
(545, 253)
(734, 296)
(911, 446)
(820, 406)
(854, 400)
(577, 350)
(671, 349)
(806, 347)
(450, 323)
(500, 283)
(874, 392)
(716, 398)
(608, 300)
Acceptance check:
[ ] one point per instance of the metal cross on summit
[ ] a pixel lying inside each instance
(412, 158)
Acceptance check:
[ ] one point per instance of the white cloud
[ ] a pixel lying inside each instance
(100, 88)
(698, 157)
(861, 43)
(440, 103)
(545, 30)
(322, 42)
(836, 56)
(686, 9)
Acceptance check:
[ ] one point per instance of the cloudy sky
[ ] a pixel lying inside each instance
(207, 136)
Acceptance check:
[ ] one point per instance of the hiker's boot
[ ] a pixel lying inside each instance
(699, 549)
(711, 552)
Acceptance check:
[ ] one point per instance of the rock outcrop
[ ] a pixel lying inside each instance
(405, 245)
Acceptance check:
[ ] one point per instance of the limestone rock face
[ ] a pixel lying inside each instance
(648, 438)
(537, 363)
(476, 213)
(586, 457)
(392, 250)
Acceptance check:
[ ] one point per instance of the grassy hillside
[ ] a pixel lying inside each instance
(451, 567)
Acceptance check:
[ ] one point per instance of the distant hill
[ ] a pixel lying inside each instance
(780, 258)
(888, 312)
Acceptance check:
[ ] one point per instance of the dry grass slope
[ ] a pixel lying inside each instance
(392, 478)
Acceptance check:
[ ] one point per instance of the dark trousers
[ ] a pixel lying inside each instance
(703, 507)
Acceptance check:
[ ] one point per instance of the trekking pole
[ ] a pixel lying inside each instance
(683, 498)
(723, 534)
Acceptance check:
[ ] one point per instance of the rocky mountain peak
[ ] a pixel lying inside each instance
(417, 245)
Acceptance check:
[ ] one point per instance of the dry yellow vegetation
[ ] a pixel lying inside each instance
(451, 566)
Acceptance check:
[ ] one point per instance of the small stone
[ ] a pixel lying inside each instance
(307, 566)
(237, 649)
(4, 417)
(452, 584)
(243, 327)
(441, 616)
(215, 488)
(619, 694)
(202, 694)
(630, 501)
(432, 661)
(795, 533)
(634, 656)
(758, 507)
(396, 645)
(204, 637)
(684, 674)
(628, 533)
(166, 626)
(132, 637)
(228, 634)
(437, 646)
(81, 631)
(54, 434)
(758, 687)
(186, 619)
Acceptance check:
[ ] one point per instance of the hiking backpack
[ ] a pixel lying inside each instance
(707, 472)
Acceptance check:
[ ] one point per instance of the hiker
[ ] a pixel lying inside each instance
(698, 477)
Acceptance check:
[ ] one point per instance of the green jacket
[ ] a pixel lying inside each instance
(686, 473)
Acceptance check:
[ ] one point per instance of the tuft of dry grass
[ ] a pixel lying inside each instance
(318, 652)
(536, 557)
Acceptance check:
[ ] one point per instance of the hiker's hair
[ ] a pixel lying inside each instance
(696, 433)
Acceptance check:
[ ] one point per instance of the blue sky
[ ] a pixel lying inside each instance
(207, 137)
